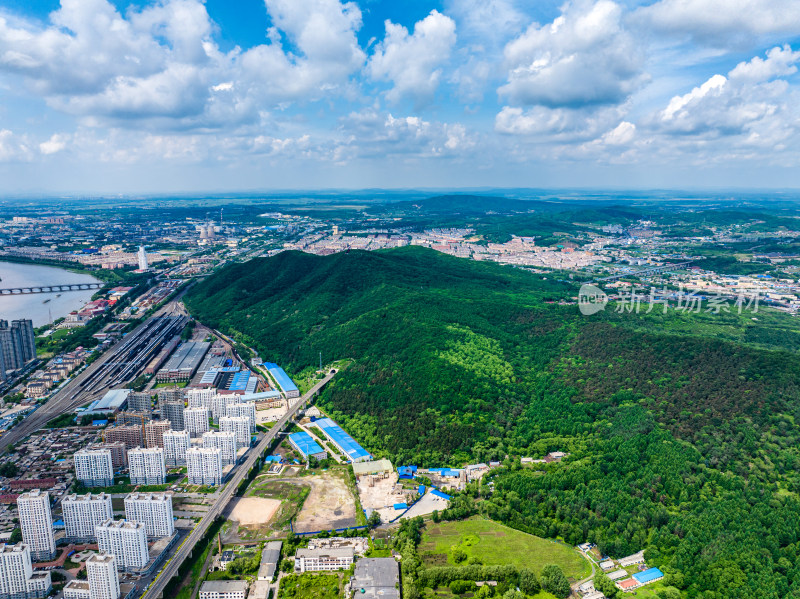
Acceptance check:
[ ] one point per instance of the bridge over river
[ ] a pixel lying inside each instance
(50, 288)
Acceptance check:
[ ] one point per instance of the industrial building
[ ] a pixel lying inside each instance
(323, 560)
(309, 448)
(223, 589)
(183, 364)
(112, 402)
(231, 379)
(284, 382)
(342, 441)
(270, 557)
(376, 578)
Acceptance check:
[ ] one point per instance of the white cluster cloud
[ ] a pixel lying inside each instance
(588, 82)
(413, 61)
(719, 21)
(584, 57)
(161, 62)
(753, 103)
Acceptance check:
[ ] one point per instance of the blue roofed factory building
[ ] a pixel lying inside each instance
(342, 441)
(303, 443)
(284, 382)
(648, 576)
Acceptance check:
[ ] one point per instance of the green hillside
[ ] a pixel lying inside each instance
(682, 434)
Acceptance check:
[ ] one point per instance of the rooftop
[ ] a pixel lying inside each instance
(305, 444)
(336, 434)
(223, 586)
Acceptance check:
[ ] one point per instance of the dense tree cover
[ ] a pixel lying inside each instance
(684, 444)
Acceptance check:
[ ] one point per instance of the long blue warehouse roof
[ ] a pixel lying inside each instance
(239, 382)
(438, 493)
(283, 380)
(648, 575)
(340, 438)
(305, 444)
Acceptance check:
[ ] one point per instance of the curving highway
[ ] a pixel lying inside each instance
(156, 588)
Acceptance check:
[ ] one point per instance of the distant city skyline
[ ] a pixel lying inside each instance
(103, 97)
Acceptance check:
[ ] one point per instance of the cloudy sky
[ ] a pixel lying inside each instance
(186, 95)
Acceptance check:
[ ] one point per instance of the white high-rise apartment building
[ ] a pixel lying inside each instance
(154, 509)
(101, 572)
(17, 579)
(83, 512)
(225, 442)
(142, 257)
(200, 398)
(243, 410)
(93, 467)
(239, 426)
(125, 540)
(36, 523)
(204, 466)
(146, 466)
(196, 421)
(176, 444)
(220, 403)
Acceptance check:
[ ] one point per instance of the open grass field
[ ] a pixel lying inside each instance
(310, 586)
(495, 544)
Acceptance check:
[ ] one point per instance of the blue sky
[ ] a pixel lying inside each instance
(108, 96)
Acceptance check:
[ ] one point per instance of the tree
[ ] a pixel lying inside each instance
(374, 519)
(528, 582)
(554, 581)
(513, 594)
(9, 470)
(605, 585)
(287, 566)
(669, 593)
(459, 587)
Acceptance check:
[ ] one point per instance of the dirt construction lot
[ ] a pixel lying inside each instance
(379, 494)
(329, 505)
(254, 511)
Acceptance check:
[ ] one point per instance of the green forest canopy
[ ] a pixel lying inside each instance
(683, 444)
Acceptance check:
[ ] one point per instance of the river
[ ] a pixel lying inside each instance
(36, 306)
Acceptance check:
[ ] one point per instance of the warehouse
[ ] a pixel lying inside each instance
(303, 443)
(648, 576)
(284, 382)
(342, 441)
(183, 364)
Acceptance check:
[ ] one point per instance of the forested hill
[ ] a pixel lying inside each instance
(686, 445)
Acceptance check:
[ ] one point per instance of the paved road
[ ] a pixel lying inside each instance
(156, 589)
(72, 395)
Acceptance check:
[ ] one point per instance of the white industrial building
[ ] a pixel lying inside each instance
(225, 442)
(204, 466)
(125, 540)
(243, 410)
(36, 522)
(93, 467)
(82, 513)
(146, 466)
(196, 421)
(176, 444)
(239, 426)
(323, 560)
(223, 589)
(154, 510)
(17, 579)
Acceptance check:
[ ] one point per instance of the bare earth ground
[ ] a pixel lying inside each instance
(254, 511)
(329, 505)
(380, 496)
